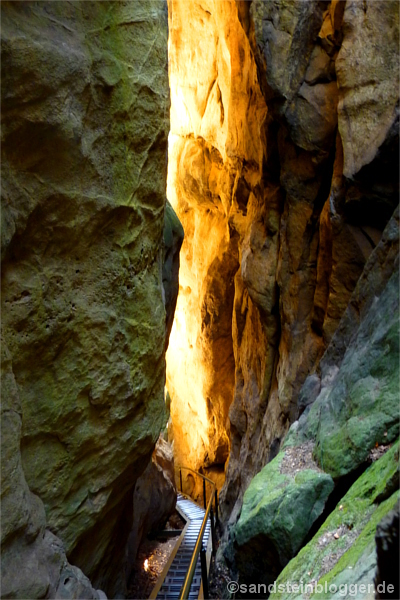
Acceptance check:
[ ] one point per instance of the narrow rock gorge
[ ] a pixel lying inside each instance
(263, 138)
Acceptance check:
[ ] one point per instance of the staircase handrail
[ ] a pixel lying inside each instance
(184, 593)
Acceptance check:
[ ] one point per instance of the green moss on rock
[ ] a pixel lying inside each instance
(280, 509)
(362, 408)
(343, 550)
(84, 141)
(359, 407)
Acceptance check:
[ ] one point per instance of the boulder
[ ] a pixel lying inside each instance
(342, 553)
(279, 508)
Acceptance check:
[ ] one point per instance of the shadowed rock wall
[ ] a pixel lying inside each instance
(84, 138)
(351, 419)
(331, 215)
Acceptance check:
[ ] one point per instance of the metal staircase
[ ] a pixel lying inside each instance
(186, 572)
(175, 576)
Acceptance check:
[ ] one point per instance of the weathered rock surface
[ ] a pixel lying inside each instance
(154, 499)
(327, 222)
(33, 560)
(368, 81)
(278, 512)
(342, 553)
(282, 208)
(84, 139)
(353, 408)
(357, 389)
(214, 150)
(362, 406)
(283, 168)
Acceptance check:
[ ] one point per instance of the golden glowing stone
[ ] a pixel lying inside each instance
(214, 151)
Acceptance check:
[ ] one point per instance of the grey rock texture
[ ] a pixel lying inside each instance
(33, 560)
(352, 409)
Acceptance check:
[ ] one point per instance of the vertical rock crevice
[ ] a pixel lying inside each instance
(214, 180)
(282, 168)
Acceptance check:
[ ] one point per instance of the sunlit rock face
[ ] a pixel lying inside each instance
(214, 170)
(84, 139)
(272, 104)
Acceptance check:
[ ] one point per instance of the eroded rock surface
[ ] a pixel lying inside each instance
(33, 560)
(215, 157)
(84, 140)
(281, 223)
(283, 168)
(278, 227)
(327, 220)
(354, 409)
(355, 404)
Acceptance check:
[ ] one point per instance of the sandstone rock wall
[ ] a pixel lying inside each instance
(33, 560)
(329, 217)
(283, 168)
(352, 415)
(84, 139)
(215, 165)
